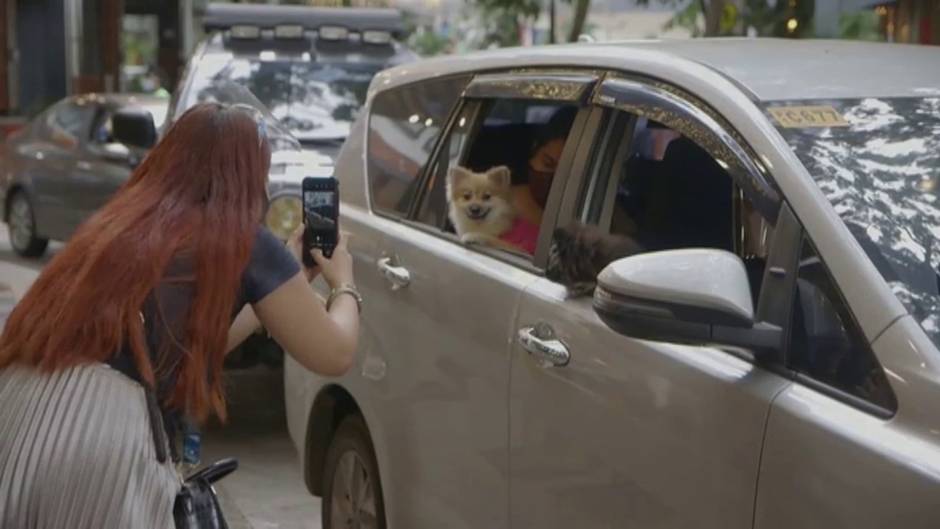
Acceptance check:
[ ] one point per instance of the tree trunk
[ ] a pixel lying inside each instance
(713, 9)
(551, 21)
(580, 15)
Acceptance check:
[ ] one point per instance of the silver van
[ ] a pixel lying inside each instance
(769, 360)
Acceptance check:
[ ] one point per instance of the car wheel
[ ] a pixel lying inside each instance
(352, 493)
(22, 226)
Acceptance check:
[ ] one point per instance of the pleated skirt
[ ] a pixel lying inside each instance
(77, 452)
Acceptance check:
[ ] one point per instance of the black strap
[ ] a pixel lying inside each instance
(160, 440)
(162, 422)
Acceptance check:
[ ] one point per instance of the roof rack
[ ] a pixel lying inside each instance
(219, 16)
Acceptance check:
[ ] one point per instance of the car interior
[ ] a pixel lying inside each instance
(505, 137)
(670, 194)
(673, 194)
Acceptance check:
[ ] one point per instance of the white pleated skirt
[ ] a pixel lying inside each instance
(77, 452)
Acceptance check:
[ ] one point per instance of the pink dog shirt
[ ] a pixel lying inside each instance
(523, 234)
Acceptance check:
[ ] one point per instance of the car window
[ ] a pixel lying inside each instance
(69, 122)
(404, 125)
(660, 190)
(496, 170)
(825, 342)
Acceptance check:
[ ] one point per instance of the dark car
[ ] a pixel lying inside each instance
(64, 165)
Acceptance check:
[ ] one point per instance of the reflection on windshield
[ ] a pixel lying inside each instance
(315, 101)
(882, 175)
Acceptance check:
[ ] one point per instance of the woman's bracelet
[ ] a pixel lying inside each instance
(345, 289)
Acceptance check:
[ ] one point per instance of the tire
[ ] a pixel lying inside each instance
(21, 223)
(352, 497)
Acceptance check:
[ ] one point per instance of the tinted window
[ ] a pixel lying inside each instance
(657, 187)
(403, 127)
(70, 121)
(825, 342)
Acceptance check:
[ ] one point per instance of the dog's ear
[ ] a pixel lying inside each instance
(457, 173)
(500, 176)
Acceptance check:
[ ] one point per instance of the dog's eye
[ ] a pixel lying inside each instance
(486, 196)
(467, 196)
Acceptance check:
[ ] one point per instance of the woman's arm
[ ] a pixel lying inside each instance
(244, 325)
(323, 342)
(320, 340)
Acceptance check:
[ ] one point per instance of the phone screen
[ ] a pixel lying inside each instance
(320, 211)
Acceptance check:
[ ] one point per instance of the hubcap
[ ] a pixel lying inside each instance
(21, 223)
(352, 502)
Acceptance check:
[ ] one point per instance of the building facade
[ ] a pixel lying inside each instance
(52, 48)
(910, 21)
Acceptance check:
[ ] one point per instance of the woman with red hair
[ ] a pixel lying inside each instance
(126, 330)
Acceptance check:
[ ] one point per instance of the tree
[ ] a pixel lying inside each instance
(504, 16)
(580, 15)
(779, 18)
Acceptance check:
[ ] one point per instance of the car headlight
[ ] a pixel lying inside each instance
(284, 214)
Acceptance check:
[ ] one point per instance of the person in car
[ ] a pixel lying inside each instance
(127, 328)
(531, 186)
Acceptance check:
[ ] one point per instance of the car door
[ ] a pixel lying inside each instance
(440, 324)
(610, 431)
(101, 167)
(65, 130)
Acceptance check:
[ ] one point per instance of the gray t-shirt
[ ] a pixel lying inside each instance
(166, 310)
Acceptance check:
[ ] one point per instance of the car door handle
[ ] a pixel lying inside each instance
(398, 276)
(84, 166)
(541, 343)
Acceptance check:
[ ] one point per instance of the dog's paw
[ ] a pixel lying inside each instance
(474, 238)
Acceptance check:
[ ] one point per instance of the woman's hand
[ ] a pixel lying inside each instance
(338, 269)
(296, 244)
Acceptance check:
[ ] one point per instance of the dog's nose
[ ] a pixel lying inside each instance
(475, 209)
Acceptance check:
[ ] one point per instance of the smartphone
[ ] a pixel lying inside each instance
(321, 212)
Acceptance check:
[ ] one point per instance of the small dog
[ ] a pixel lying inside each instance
(579, 252)
(481, 205)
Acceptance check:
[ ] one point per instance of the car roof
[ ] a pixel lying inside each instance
(768, 69)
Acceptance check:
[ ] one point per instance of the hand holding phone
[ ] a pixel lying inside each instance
(321, 215)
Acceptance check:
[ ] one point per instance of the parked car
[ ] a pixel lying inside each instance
(64, 165)
(771, 360)
(310, 66)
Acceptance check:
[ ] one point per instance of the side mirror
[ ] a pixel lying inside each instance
(694, 296)
(134, 127)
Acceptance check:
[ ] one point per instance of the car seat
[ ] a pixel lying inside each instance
(688, 201)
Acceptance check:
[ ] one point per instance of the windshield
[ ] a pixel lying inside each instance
(878, 162)
(288, 161)
(316, 101)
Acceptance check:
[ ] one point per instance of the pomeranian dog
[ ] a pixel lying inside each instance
(579, 252)
(481, 205)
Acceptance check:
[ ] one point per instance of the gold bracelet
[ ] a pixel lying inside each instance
(345, 289)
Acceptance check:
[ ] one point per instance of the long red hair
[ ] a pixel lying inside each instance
(200, 192)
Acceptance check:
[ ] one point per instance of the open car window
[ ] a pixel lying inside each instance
(496, 168)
